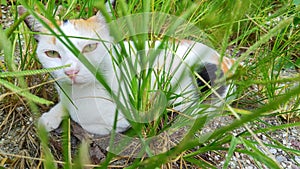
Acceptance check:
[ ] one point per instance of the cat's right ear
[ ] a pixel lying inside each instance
(109, 6)
(32, 23)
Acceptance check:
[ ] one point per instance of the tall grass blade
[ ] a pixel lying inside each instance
(66, 143)
(233, 143)
(200, 163)
(9, 31)
(279, 146)
(83, 156)
(260, 156)
(6, 46)
(48, 157)
(23, 92)
(30, 72)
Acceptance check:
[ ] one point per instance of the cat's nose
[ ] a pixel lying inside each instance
(71, 73)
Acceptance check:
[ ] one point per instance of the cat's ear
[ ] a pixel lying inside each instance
(110, 4)
(33, 23)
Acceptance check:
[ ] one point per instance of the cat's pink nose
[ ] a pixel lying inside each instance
(71, 73)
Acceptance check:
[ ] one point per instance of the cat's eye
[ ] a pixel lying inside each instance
(89, 48)
(52, 54)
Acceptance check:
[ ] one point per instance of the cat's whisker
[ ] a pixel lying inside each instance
(96, 97)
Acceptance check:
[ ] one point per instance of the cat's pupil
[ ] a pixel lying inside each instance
(52, 54)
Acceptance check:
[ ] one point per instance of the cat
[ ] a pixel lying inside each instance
(85, 99)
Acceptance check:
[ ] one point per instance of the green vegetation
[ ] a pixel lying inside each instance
(263, 36)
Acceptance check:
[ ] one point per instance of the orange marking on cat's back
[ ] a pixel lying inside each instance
(226, 64)
(186, 41)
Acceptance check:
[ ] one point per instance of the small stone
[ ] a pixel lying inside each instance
(281, 158)
(297, 159)
(288, 164)
(283, 165)
(294, 131)
(273, 151)
(284, 142)
(20, 109)
(232, 164)
(96, 154)
(293, 166)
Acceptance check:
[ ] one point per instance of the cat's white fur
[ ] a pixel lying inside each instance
(90, 105)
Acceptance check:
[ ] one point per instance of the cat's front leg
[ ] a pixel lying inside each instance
(53, 118)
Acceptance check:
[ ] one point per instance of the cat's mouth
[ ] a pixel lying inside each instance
(74, 79)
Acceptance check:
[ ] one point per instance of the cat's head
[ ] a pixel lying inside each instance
(86, 35)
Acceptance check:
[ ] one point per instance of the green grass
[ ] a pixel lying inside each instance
(266, 46)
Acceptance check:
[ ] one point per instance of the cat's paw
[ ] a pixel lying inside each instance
(49, 121)
(53, 118)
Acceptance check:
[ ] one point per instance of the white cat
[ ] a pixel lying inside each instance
(85, 99)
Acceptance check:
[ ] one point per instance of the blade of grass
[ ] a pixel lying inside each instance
(15, 25)
(49, 162)
(200, 163)
(66, 143)
(30, 72)
(233, 143)
(273, 128)
(260, 156)
(282, 147)
(23, 92)
(6, 46)
(82, 158)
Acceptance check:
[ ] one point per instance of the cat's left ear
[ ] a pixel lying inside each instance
(33, 23)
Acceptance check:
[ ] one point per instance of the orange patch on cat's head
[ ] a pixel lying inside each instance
(90, 24)
(50, 24)
(53, 38)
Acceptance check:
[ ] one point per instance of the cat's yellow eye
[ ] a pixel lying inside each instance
(89, 48)
(52, 54)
